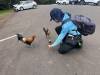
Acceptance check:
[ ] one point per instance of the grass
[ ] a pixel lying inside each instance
(5, 12)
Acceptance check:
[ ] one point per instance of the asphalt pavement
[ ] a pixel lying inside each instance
(17, 58)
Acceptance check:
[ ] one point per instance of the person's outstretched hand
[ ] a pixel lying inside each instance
(49, 46)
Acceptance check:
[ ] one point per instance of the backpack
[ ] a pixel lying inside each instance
(84, 24)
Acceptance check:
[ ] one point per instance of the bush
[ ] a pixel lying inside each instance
(3, 6)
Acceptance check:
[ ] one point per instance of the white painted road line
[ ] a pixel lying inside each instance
(7, 38)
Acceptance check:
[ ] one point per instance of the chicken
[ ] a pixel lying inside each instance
(26, 40)
(47, 33)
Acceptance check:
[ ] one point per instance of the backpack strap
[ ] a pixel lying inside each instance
(65, 21)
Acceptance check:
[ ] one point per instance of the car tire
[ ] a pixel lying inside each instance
(34, 6)
(21, 8)
(16, 10)
(58, 3)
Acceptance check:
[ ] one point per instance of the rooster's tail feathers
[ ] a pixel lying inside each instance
(19, 37)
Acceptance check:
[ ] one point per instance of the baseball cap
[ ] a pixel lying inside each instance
(57, 14)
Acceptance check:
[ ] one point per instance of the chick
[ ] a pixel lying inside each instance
(26, 40)
(47, 33)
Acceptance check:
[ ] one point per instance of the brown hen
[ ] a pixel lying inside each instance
(26, 40)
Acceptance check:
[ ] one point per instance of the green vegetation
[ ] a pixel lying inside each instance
(5, 12)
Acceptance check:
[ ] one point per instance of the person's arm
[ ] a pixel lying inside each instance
(60, 37)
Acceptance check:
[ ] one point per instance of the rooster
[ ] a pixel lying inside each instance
(26, 40)
(47, 33)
